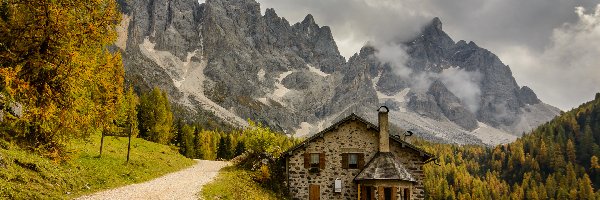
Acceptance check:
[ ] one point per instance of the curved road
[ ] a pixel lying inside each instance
(184, 184)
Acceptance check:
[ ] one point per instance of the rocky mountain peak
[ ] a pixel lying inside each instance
(436, 23)
(227, 58)
(235, 7)
(432, 34)
(496, 100)
(527, 96)
(270, 14)
(472, 44)
(309, 20)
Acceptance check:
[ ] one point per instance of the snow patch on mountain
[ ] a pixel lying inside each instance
(261, 75)
(280, 89)
(316, 71)
(189, 77)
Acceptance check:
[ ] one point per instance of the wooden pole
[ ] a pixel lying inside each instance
(359, 191)
(129, 144)
(101, 143)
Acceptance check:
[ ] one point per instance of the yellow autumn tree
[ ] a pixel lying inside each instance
(55, 62)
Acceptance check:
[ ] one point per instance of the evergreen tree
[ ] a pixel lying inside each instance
(198, 145)
(178, 137)
(155, 117)
(585, 188)
(187, 141)
(571, 151)
(586, 145)
(240, 148)
(224, 150)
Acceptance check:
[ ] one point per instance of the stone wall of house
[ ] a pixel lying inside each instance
(350, 137)
(413, 162)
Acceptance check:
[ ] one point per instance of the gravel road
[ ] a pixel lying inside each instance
(184, 184)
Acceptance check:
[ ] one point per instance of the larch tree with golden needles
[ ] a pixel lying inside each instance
(54, 60)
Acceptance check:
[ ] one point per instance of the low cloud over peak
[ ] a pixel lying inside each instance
(549, 44)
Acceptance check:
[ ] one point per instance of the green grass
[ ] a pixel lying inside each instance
(236, 183)
(25, 175)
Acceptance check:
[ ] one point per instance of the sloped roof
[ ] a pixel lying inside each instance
(350, 117)
(384, 166)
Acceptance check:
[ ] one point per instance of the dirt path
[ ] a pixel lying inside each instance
(184, 184)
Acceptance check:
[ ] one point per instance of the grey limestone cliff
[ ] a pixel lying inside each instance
(226, 57)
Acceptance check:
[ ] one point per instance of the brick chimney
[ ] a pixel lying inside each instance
(384, 137)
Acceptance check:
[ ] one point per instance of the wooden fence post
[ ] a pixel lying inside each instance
(101, 143)
(130, 130)
(129, 144)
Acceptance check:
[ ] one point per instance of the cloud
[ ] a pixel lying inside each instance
(355, 22)
(395, 55)
(464, 85)
(567, 72)
(490, 23)
(530, 36)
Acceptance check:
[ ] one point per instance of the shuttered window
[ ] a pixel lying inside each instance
(314, 160)
(361, 160)
(353, 160)
(322, 160)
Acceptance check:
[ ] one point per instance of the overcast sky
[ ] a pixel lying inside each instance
(552, 46)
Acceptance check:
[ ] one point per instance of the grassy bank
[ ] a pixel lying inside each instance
(24, 175)
(236, 183)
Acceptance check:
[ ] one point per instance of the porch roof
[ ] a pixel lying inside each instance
(384, 166)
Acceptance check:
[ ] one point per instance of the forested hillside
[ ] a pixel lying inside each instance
(558, 160)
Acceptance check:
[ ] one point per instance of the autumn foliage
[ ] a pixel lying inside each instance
(558, 160)
(55, 62)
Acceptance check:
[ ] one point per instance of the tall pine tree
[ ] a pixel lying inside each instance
(155, 117)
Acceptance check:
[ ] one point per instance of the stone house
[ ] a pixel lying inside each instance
(354, 159)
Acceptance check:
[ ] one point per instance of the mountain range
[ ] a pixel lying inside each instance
(228, 58)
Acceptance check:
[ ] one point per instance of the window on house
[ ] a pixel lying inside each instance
(314, 160)
(352, 160)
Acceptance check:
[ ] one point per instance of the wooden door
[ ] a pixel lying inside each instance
(314, 192)
(367, 193)
(387, 193)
